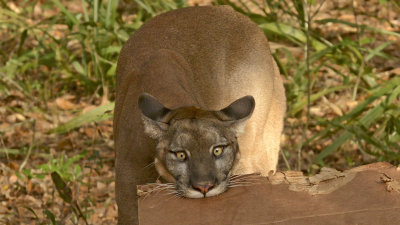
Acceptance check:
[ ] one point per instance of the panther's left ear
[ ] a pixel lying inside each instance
(236, 114)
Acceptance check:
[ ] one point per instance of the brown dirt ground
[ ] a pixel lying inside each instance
(93, 189)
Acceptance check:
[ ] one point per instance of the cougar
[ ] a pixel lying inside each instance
(199, 98)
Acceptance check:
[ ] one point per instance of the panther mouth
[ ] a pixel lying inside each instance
(190, 192)
(233, 181)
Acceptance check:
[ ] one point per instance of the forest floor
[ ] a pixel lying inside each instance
(84, 157)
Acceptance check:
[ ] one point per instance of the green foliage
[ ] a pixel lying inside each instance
(66, 167)
(373, 124)
(151, 8)
(65, 193)
(71, 50)
(81, 59)
(95, 115)
(355, 125)
(359, 77)
(50, 216)
(65, 171)
(42, 64)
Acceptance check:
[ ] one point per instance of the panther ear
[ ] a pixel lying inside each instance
(153, 113)
(237, 113)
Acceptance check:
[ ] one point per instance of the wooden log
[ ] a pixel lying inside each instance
(367, 194)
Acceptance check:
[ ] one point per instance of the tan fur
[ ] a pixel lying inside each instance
(205, 57)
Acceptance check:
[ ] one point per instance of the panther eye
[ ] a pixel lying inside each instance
(180, 155)
(217, 151)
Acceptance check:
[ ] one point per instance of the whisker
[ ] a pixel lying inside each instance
(155, 188)
(243, 180)
(165, 186)
(238, 185)
(159, 189)
(241, 185)
(253, 175)
(244, 183)
(144, 196)
(160, 184)
(149, 165)
(245, 176)
(179, 195)
(246, 179)
(172, 197)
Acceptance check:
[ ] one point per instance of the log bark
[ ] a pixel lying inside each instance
(367, 194)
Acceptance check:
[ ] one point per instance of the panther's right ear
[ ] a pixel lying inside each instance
(153, 113)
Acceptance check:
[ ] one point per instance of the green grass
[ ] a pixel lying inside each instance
(66, 51)
(83, 62)
(374, 123)
(82, 59)
(53, 53)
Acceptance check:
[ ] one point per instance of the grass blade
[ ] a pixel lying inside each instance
(299, 105)
(32, 211)
(62, 188)
(10, 151)
(95, 115)
(66, 12)
(360, 107)
(362, 26)
(366, 120)
(51, 216)
(291, 33)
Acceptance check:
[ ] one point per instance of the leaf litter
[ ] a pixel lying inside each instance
(29, 196)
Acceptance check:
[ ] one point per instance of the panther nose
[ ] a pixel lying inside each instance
(203, 188)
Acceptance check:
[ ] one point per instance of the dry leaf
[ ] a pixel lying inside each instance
(13, 179)
(64, 104)
(29, 186)
(90, 132)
